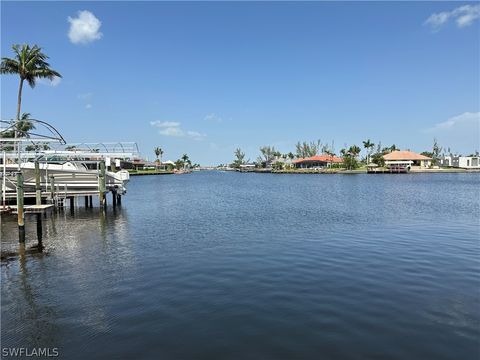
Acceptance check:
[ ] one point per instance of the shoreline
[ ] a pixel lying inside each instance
(323, 172)
(361, 171)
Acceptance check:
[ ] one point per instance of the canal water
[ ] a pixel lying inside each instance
(221, 265)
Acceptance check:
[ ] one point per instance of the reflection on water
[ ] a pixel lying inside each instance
(228, 265)
(72, 241)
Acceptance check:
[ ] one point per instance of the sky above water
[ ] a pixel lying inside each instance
(205, 78)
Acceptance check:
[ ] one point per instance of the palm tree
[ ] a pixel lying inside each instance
(369, 146)
(331, 154)
(30, 63)
(354, 150)
(158, 153)
(24, 125)
(179, 164)
(185, 159)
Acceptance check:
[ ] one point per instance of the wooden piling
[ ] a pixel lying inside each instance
(119, 199)
(72, 205)
(86, 201)
(90, 201)
(38, 189)
(102, 186)
(21, 217)
(114, 198)
(52, 188)
(39, 231)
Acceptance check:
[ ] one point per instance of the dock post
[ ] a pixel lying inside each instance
(114, 198)
(38, 189)
(90, 201)
(86, 201)
(119, 199)
(102, 185)
(21, 220)
(72, 205)
(39, 231)
(52, 188)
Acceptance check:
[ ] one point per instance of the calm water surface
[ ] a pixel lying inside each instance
(256, 266)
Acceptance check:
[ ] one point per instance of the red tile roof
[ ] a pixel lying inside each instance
(323, 158)
(404, 155)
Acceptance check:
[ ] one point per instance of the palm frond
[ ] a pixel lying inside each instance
(9, 66)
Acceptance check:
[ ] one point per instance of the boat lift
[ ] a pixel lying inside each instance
(44, 143)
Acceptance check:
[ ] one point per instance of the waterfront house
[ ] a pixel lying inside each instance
(407, 160)
(464, 162)
(247, 167)
(317, 161)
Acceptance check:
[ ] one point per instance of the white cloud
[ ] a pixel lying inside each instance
(463, 15)
(464, 119)
(84, 28)
(163, 124)
(85, 96)
(195, 135)
(460, 133)
(173, 128)
(54, 82)
(86, 99)
(213, 118)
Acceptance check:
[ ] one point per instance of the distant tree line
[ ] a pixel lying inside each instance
(270, 157)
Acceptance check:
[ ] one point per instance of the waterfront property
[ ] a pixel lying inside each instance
(317, 161)
(464, 162)
(247, 167)
(406, 160)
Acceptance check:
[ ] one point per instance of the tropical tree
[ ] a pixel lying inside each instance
(21, 127)
(185, 160)
(24, 125)
(267, 155)
(378, 159)
(179, 164)
(239, 158)
(436, 150)
(350, 156)
(37, 147)
(330, 154)
(306, 149)
(377, 156)
(30, 64)
(158, 153)
(368, 145)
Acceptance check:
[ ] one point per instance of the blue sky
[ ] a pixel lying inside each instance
(205, 78)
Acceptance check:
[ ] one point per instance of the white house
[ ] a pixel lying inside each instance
(465, 162)
(469, 162)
